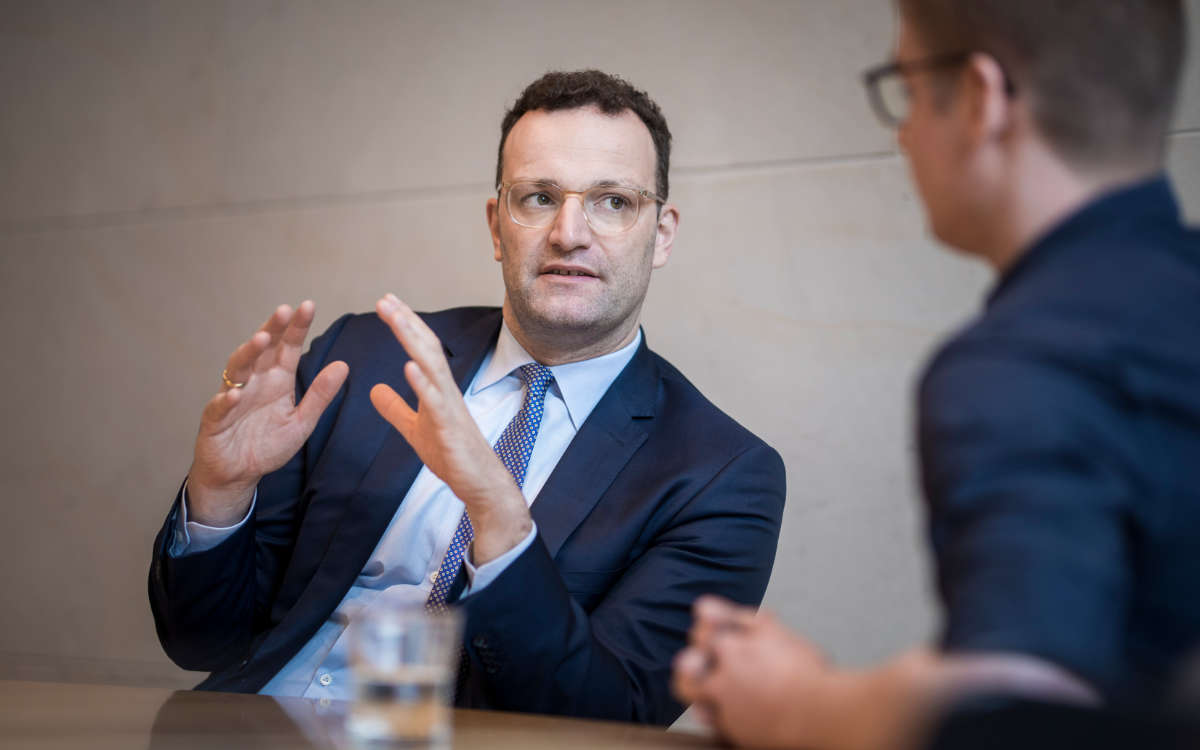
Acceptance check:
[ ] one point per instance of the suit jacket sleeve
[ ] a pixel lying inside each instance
(1029, 477)
(533, 647)
(209, 606)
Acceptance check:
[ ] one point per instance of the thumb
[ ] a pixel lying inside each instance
(393, 408)
(324, 387)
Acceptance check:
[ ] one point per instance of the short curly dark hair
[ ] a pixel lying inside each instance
(558, 90)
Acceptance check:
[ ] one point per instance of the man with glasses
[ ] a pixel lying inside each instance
(539, 466)
(1060, 431)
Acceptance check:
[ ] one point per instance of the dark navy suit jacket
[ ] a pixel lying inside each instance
(659, 498)
(1060, 440)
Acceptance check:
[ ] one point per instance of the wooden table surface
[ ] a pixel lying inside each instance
(52, 715)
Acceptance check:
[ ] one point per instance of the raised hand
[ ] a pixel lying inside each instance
(446, 438)
(254, 426)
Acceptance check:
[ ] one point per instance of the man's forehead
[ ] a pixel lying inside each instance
(580, 145)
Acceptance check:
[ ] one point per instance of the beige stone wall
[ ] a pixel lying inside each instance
(169, 171)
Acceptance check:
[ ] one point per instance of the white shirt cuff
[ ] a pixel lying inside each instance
(192, 537)
(479, 578)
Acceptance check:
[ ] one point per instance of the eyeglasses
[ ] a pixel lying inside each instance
(889, 93)
(608, 209)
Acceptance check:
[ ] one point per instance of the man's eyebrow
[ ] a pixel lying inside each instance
(595, 183)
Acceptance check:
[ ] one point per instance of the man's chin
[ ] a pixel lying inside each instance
(565, 320)
(570, 322)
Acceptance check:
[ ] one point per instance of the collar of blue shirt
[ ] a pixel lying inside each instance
(580, 384)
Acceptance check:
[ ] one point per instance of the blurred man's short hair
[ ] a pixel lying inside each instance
(1101, 75)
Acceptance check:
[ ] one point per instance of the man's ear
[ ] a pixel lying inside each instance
(989, 104)
(664, 234)
(493, 219)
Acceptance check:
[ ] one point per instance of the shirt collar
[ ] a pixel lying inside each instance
(581, 384)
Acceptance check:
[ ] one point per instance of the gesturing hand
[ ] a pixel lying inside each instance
(446, 438)
(251, 430)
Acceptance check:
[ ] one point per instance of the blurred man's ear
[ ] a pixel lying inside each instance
(986, 98)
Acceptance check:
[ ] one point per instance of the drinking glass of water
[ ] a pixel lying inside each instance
(404, 660)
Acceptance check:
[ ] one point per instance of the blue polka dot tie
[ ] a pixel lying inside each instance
(514, 448)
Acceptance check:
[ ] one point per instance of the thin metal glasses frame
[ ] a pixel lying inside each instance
(642, 194)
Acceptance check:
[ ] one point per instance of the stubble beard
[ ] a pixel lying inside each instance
(578, 324)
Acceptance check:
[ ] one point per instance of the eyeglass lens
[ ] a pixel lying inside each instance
(608, 209)
(892, 96)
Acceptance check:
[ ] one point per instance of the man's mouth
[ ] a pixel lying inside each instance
(568, 271)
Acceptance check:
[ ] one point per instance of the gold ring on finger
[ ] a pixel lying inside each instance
(229, 383)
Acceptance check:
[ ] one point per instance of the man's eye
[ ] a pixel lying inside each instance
(542, 199)
(614, 203)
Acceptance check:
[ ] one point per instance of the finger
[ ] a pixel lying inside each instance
(714, 615)
(275, 326)
(705, 713)
(710, 708)
(277, 321)
(393, 408)
(428, 395)
(688, 668)
(320, 393)
(727, 649)
(292, 340)
(700, 633)
(217, 409)
(722, 613)
(421, 343)
(240, 364)
(710, 607)
(691, 684)
(417, 339)
(417, 322)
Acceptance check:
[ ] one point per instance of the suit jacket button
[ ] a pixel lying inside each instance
(479, 642)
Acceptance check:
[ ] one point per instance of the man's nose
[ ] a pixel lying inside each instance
(570, 229)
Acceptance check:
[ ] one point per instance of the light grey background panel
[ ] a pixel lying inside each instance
(169, 171)
(135, 106)
(1184, 166)
(1188, 115)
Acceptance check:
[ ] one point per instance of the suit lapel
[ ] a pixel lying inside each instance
(383, 486)
(606, 441)
(396, 465)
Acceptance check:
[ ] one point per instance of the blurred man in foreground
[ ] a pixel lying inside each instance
(1060, 431)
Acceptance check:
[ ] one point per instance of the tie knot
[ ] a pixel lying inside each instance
(537, 377)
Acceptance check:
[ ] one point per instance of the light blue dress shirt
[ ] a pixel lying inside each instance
(402, 566)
